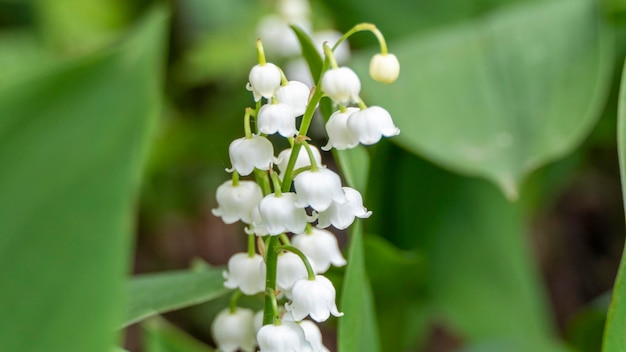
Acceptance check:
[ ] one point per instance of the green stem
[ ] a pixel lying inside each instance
(260, 52)
(362, 105)
(284, 239)
(365, 27)
(277, 185)
(251, 247)
(311, 157)
(246, 123)
(305, 260)
(235, 179)
(263, 180)
(270, 311)
(331, 57)
(233, 301)
(304, 128)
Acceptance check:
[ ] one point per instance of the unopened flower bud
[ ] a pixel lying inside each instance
(384, 68)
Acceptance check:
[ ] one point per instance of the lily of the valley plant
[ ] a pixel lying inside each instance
(290, 198)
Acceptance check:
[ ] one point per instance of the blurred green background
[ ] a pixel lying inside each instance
(497, 215)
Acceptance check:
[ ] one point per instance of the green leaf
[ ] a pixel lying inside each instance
(152, 294)
(357, 328)
(504, 94)
(355, 164)
(480, 282)
(614, 337)
(310, 53)
(72, 144)
(161, 336)
(401, 297)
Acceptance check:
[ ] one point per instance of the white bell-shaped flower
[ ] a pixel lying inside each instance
(264, 80)
(286, 337)
(318, 188)
(313, 335)
(244, 272)
(289, 269)
(313, 297)
(258, 320)
(257, 227)
(237, 202)
(342, 85)
(296, 95)
(248, 153)
(321, 248)
(301, 161)
(339, 135)
(370, 124)
(384, 68)
(234, 331)
(279, 118)
(294, 9)
(341, 215)
(280, 214)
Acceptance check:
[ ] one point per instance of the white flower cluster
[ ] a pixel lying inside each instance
(292, 193)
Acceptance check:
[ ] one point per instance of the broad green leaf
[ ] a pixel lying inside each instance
(401, 297)
(503, 94)
(152, 294)
(161, 336)
(614, 336)
(72, 144)
(357, 328)
(355, 165)
(310, 53)
(480, 282)
(118, 349)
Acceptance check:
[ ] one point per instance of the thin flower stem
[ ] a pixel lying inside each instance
(311, 157)
(284, 239)
(263, 180)
(362, 105)
(305, 260)
(246, 123)
(235, 179)
(364, 27)
(270, 311)
(277, 185)
(260, 52)
(233, 301)
(330, 56)
(251, 247)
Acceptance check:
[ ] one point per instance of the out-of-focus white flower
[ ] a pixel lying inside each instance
(279, 118)
(339, 135)
(341, 215)
(313, 335)
(294, 10)
(295, 94)
(244, 272)
(264, 80)
(234, 331)
(298, 70)
(277, 37)
(280, 214)
(384, 68)
(342, 53)
(287, 337)
(321, 248)
(342, 85)
(237, 202)
(369, 125)
(313, 297)
(301, 161)
(248, 153)
(258, 320)
(318, 188)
